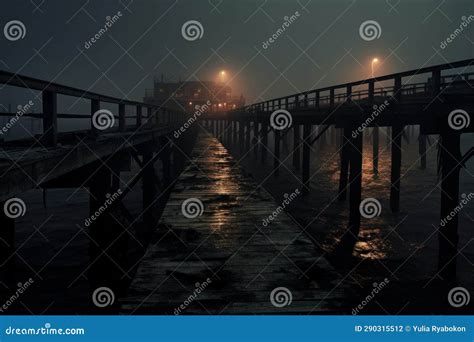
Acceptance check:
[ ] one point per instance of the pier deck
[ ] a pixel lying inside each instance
(228, 244)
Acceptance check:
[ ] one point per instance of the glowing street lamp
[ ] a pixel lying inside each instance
(374, 61)
(223, 75)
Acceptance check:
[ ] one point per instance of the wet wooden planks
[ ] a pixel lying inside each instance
(228, 245)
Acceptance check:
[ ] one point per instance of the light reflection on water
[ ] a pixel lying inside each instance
(389, 236)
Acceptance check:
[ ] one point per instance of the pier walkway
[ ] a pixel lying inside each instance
(226, 261)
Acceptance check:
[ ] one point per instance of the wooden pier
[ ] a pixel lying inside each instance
(227, 247)
(443, 104)
(243, 260)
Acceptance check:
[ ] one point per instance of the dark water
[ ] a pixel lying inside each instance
(53, 246)
(402, 246)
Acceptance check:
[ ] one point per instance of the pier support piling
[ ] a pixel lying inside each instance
(397, 132)
(450, 157)
(306, 158)
(276, 157)
(344, 172)
(296, 146)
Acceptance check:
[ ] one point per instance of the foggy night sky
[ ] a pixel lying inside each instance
(414, 29)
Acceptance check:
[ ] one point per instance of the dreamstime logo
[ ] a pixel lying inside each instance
(288, 199)
(459, 119)
(103, 119)
(102, 297)
(464, 24)
(197, 291)
(110, 199)
(281, 297)
(377, 288)
(281, 119)
(199, 110)
(370, 30)
(377, 110)
(109, 22)
(458, 296)
(286, 24)
(192, 30)
(14, 30)
(370, 208)
(14, 208)
(457, 209)
(22, 287)
(22, 110)
(192, 208)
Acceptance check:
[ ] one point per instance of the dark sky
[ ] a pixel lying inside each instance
(322, 47)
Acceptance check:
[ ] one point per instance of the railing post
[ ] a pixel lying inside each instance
(50, 118)
(139, 116)
(149, 114)
(331, 97)
(317, 99)
(436, 83)
(122, 117)
(348, 93)
(306, 100)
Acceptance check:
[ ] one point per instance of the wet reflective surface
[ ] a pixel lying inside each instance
(227, 243)
(402, 246)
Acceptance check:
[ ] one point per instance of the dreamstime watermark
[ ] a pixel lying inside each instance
(281, 297)
(14, 297)
(459, 119)
(103, 119)
(108, 202)
(21, 110)
(14, 30)
(377, 288)
(46, 330)
(465, 200)
(103, 296)
(192, 30)
(281, 119)
(464, 24)
(370, 208)
(377, 110)
(199, 110)
(110, 21)
(14, 208)
(458, 296)
(197, 291)
(370, 30)
(192, 208)
(286, 202)
(286, 24)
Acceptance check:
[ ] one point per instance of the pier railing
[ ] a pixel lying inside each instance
(329, 96)
(49, 93)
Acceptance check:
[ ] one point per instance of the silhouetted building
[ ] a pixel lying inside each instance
(190, 94)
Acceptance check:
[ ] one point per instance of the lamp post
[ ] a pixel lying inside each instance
(374, 61)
